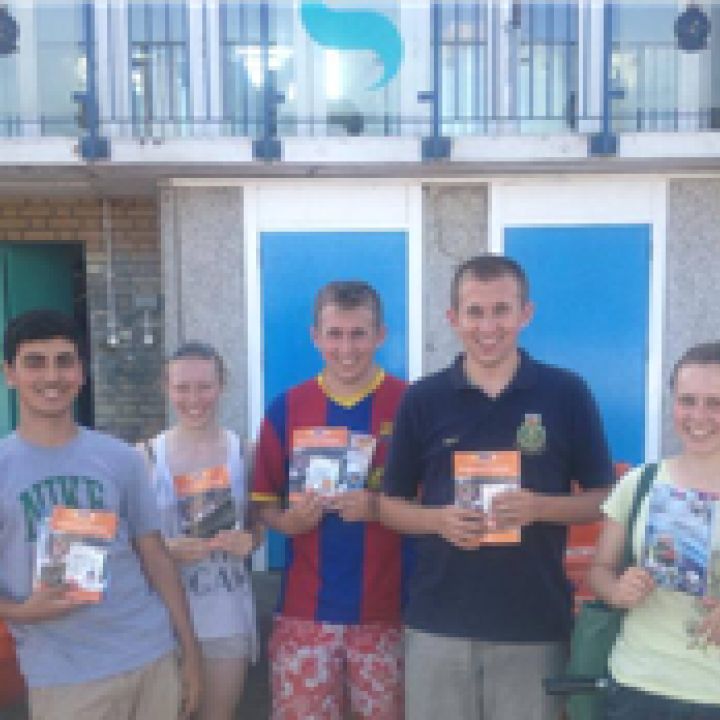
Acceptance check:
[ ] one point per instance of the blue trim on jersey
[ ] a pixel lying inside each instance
(276, 416)
(342, 544)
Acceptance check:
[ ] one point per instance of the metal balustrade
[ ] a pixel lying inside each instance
(164, 71)
(334, 125)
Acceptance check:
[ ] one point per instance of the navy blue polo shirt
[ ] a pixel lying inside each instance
(514, 593)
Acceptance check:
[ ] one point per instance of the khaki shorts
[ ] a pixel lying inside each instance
(232, 647)
(151, 692)
(456, 678)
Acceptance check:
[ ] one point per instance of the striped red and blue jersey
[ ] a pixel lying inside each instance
(340, 572)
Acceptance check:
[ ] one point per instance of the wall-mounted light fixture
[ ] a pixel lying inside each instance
(145, 306)
(137, 328)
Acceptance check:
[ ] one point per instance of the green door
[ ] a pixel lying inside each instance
(34, 276)
(6, 400)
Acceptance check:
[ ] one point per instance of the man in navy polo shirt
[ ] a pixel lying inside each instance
(487, 622)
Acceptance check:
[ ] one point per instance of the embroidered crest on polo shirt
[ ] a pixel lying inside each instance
(531, 435)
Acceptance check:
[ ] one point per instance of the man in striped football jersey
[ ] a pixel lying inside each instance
(336, 641)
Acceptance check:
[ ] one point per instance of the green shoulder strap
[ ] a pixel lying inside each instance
(646, 480)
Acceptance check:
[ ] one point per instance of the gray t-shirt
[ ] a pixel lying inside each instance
(130, 626)
(218, 588)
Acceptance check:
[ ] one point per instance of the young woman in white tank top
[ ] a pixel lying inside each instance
(214, 569)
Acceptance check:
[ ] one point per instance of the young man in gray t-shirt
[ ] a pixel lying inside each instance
(113, 655)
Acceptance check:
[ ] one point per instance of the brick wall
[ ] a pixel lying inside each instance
(127, 393)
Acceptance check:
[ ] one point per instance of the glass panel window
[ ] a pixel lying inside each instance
(463, 54)
(645, 66)
(356, 81)
(11, 120)
(243, 66)
(38, 80)
(546, 70)
(62, 68)
(159, 69)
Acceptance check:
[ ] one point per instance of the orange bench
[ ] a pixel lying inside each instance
(12, 685)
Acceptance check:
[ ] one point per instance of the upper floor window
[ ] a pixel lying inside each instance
(354, 79)
(159, 68)
(463, 58)
(11, 119)
(243, 61)
(528, 47)
(61, 66)
(546, 67)
(646, 67)
(37, 81)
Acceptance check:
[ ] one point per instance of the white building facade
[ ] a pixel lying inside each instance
(214, 162)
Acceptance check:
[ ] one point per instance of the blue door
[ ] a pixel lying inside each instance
(590, 285)
(293, 266)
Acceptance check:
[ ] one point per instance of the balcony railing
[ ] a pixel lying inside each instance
(387, 125)
(484, 69)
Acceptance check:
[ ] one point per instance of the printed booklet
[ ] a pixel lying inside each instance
(479, 476)
(329, 461)
(204, 501)
(72, 549)
(678, 538)
(359, 459)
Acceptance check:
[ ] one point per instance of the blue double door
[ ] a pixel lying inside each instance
(590, 284)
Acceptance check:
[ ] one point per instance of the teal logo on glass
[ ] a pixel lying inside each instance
(355, 30)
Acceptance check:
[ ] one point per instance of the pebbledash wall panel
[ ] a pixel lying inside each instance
(455, 227)
(692, 300)
(204, 282)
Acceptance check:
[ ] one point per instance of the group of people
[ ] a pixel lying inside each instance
(391, 604)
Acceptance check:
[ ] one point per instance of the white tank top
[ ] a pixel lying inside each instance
(218, 589)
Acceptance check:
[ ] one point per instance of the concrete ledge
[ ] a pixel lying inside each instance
(182, 150)
(522, 148)
(40, 151)
(656, 145)
(351, 150)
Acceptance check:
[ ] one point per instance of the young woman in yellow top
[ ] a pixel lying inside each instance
(666, 661)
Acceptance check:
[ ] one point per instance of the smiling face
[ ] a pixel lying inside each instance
(488, 319)
(194, 389)
(48, 376)
(696, 408)
(347, 340)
